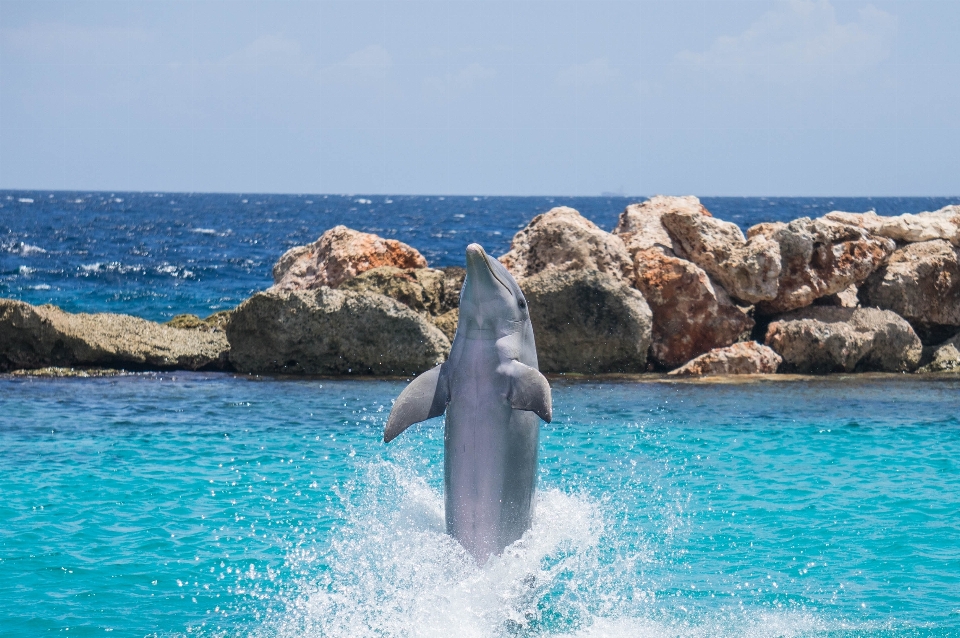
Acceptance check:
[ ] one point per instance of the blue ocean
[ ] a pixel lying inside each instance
(213, 504)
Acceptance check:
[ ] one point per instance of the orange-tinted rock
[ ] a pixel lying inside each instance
(747, 357)
(818, 258)
(691, 315)
(564, 240)
(338, 255)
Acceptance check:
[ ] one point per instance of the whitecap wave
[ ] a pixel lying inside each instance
(204, 231)
(22, 248)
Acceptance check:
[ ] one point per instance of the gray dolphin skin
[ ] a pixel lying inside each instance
(493, 394)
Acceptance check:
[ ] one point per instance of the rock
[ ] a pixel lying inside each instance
(447, 322)
(435, 293)
(846, 298)
(216, 321)
(942, 358)
(45, 336)
(939, 224)
(640, 227)
(691, 316)
(327, 331)
(747, 357)
(562, 239)
(748, 270)
(823, 339)
(819, 258)
(587, 322)
(340, 254)
(920, 282)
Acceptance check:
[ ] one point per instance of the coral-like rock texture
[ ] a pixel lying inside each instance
(340, 254)
(562, 239)
(907, 228)
(747, 357)
(748, 270)
(824, 339)
(690, 314)
(640, 225)
(920, 282)
(818, 258)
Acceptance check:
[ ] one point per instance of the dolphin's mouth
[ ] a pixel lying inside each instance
(483, 254)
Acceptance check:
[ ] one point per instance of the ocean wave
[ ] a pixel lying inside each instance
(110, 267)
(22, 248)
(204, 231)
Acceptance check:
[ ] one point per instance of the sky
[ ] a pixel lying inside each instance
(712, 98)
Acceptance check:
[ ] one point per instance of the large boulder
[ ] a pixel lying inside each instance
(690, 314)
(748, 270)
(340, 254)
(640, 225)
(823, 339)
(587, 322)
(819, 258)
(562, 239)
(327, 331)
(920, 282)
(747, 357)
(44, 336)
(428, 290)
(944, 357)
(907, 228)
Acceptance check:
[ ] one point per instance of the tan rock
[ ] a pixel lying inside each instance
(944, 357)
(748, 270)
(846, 298)
(327, 331)
(340, 254)
(691, 316)
(818, 258)
(640, 227)
(823, 339)
(563, 240)
(748, 357)
(587, 322)
(907, 228)
(920, 282)
(447, 323)
(45, 336)
(428, 290)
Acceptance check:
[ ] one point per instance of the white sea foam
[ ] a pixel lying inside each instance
(391, 571)
(204, 231)
(25, 200)
(21, 248)
(26, 271)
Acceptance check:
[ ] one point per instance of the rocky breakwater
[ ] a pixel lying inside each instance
(349, 303)
(33, 337)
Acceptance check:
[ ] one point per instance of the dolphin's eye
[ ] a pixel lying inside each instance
(522, 302)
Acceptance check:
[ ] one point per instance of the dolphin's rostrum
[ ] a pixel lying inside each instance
(492, 393)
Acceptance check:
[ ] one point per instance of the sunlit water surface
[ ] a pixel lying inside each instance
(193, 504)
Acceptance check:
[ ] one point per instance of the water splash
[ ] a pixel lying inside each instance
(393, 571)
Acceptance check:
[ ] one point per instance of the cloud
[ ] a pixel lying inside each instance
(466, 79)
(799, 41)
(590, 74)
(271, 52)
(369, 64)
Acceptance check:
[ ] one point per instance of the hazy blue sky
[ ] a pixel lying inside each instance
(801, 97)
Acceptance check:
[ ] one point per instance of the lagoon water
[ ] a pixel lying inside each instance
(182, 504)
(202, 504)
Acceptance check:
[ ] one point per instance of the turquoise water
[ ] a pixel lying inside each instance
(194, 504)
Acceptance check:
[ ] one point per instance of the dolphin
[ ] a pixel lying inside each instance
(492, 393)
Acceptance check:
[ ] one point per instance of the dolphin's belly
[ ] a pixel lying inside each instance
(490, 459)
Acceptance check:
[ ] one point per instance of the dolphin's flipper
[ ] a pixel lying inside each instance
(423, 399)
(529, 390)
